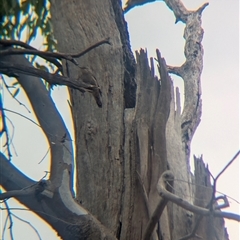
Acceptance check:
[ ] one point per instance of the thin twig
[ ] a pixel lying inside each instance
(5, 225)
(35, 230)
(233, 159)
(11, 140)
(180, 180)
(57, 55)
(44, 156)
(41, 212)
(216, 178)
(27, 46)
(13, 130)
(4, 129)
(105, 41)
(224, 205)
(8, 147)
(7, 135)
(10, 220)
(42, 54)
(29, 119)
(20, 103)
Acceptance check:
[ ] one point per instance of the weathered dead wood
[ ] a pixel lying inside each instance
(14, 69)
(98, 132)
(121, 153)
(203, 193)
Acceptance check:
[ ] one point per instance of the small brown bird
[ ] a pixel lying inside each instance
(86, 76)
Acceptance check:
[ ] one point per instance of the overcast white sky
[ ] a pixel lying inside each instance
(217, 137)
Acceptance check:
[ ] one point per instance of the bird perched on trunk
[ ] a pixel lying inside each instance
(133, 3)
(87, 77)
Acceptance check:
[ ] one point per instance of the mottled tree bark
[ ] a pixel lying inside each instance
(123, 148)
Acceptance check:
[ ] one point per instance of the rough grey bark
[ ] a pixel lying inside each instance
(122, 152)
(99, 132)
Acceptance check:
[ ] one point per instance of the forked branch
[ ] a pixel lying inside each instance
(13, 69)
(165, 188)
(163, 192)
(49, 56)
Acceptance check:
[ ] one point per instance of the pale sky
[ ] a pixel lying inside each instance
(152, 26)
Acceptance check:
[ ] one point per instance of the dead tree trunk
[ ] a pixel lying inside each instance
(123, 148)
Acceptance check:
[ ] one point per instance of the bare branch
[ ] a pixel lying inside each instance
(21, 115)
(43, 54)
(9, 216)
(199, 219)
(224, 205)
(5, 130)
(44, 156)
(230, 162)
(7, 87)
(17, 193)
(49, 56)
(9, 141)
(5, 225)
(105, 41)
(34, 229)
(180, 12)
(163, 192)
(11, 69)
(38, 212)
(216, 178)
(27, 46)
(13, 179)
(47, 114)
(193, 51)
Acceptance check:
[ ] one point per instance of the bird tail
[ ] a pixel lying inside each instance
(98, 96)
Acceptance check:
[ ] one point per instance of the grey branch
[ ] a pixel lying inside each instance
(49, 56)
(163, 192)
(17, 193)
(190, 70)
(13, 69)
